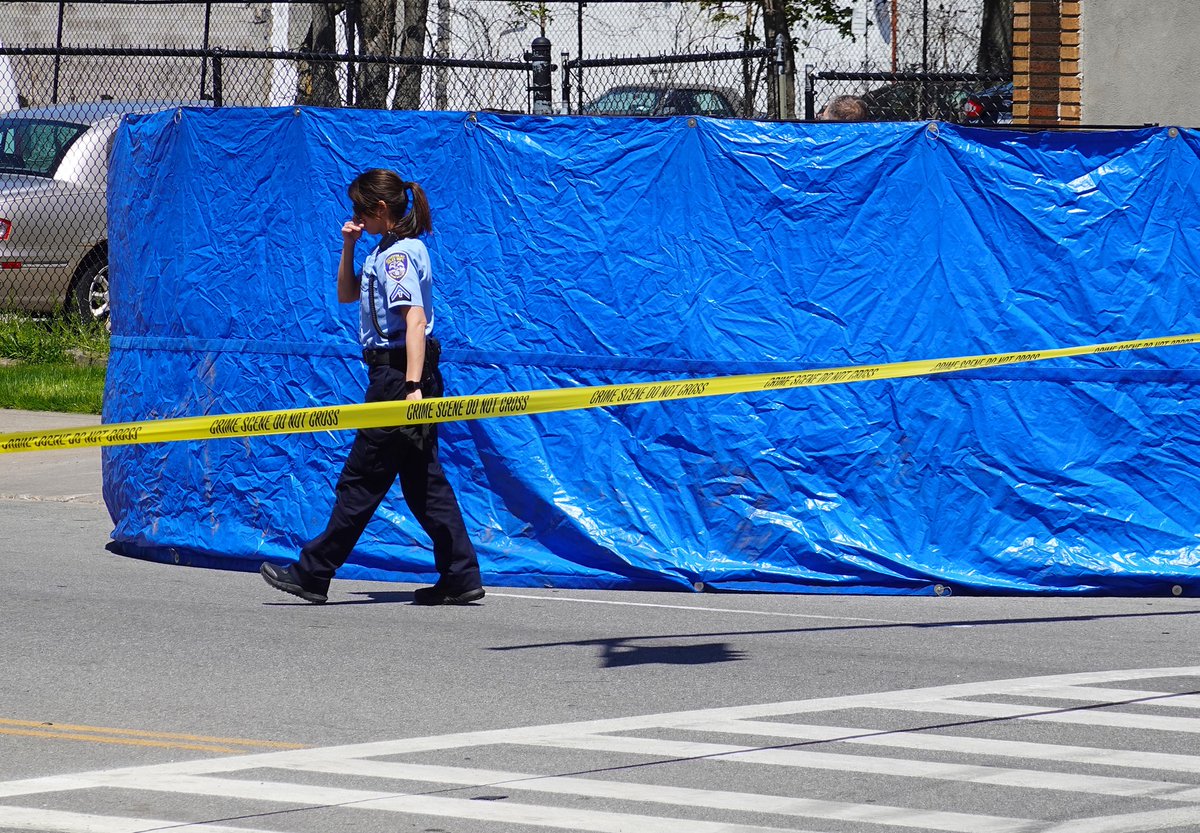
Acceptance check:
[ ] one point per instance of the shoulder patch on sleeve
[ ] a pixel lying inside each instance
(396, 265)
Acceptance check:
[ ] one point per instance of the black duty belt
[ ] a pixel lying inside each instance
(386, 358)
(398, 357)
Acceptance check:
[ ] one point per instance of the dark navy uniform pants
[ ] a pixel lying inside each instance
(377, 457)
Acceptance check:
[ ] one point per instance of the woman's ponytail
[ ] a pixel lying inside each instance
(418, 220)
(409, 217)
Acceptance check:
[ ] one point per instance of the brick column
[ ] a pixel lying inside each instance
(1046, 83)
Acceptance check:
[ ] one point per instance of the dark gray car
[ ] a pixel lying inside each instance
(652, 100)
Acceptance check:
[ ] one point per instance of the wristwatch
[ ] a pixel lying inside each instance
(410, 386)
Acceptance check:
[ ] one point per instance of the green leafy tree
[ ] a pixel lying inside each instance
(523, 10)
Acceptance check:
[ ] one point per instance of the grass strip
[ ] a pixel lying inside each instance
(52, 387)
(50, 340)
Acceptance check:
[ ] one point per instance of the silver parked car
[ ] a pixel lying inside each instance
(53, 224)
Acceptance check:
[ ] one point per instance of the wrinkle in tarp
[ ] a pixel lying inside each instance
(591, 251)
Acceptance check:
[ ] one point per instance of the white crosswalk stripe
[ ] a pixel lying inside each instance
(1120, 720)
(1165, 761)
(21, 818)
(626, 786)
(903, 767)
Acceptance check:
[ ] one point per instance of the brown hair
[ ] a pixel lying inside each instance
(408, 218)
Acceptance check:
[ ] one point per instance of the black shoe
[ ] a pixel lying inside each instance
(437, 596)
(288, 580)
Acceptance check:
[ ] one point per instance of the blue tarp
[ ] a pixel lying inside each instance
(581, 251)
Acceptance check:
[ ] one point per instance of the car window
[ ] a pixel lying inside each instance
(31, 146)
(709, 103)
(626, 101)
(679, 102)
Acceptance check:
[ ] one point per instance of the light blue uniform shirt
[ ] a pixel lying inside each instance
(396, 275)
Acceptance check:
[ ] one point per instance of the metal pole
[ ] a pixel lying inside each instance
(539, 56)
(925, 109)
(810, 93)
(780, 87)
(218, 81)
(58, 46)
(566, 84)
(895, 22)
(204, 45)
(924, 35)
(579, 57)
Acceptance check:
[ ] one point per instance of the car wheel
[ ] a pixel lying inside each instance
(88, 300)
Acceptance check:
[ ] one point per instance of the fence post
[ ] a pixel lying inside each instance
(204, 46)
(566, 83)
(781, 108)
(579, 58)
(539, 56)
(58, 51)
(218, 87)
(810, 93)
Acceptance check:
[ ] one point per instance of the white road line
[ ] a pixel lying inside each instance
(1120, 695)
(58, 821)
(694, 608)
(1086, 717)
(928, 820)
(1132, 759)
(563, 818)
(566, 819)
(903, 767)
(1188, 817)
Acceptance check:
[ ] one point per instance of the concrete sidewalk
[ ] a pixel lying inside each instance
(68, 475)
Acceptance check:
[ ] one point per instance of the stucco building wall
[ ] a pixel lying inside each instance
(1140, 62)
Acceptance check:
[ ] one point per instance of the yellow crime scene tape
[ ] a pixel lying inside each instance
(484, 406)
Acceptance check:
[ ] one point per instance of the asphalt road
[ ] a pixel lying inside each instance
(137, 696)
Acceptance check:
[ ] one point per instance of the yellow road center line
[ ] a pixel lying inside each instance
(99, 733)
(161, 744)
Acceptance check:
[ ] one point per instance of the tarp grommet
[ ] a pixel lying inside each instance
(1173, 132)
(933, 131)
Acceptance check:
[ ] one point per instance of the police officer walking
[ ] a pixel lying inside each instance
(395, 295)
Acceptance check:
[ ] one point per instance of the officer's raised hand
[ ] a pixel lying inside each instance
(347, 280)
(351, 231)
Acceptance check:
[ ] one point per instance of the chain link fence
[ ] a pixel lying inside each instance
(470, 54)
(912, 60)
(83, 64)
(269, 54)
